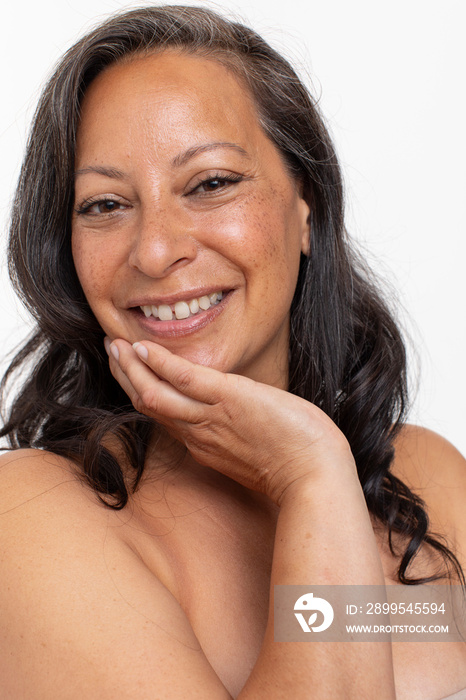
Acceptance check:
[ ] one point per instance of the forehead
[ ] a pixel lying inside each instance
(171, 97)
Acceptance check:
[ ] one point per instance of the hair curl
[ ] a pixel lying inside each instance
(346, 352)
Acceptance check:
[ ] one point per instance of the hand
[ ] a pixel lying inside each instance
(260, 436)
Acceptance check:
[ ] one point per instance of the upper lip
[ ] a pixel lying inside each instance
(184, 295)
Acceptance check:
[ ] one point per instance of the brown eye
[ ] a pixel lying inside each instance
(216, 184)
(101, 206)
(212, 185)
(107, 206)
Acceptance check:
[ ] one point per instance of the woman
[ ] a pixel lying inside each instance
(181, 205)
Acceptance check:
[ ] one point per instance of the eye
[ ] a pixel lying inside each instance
(94, 207)
(217, 183)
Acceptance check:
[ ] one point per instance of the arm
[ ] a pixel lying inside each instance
(324, 534)
(340, 550)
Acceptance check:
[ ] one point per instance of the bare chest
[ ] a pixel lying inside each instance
(230, 619)
(218, 567)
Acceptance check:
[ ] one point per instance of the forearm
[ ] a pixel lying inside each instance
(324, 537)
(324, 533)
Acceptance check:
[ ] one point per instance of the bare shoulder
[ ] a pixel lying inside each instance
(38, 488)
(427, 461)
(81, 615)
(34, 460)
(436, 471)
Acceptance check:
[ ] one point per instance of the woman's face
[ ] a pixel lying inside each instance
(180, 196)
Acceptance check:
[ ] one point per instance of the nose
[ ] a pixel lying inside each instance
(163, 242)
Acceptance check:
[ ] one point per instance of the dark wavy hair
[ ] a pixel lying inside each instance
(346, 352)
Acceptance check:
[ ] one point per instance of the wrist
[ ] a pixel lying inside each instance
(310, 476)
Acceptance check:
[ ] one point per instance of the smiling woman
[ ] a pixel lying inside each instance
(217, 402)
(167, 216)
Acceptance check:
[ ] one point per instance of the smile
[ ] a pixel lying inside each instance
(182, 309)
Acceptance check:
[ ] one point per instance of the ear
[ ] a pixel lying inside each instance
(305, 219)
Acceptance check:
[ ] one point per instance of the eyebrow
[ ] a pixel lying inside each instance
(177, 161)
(107, 172)
(183, 158)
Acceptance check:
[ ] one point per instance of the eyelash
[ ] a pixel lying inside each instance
(216, 178)
(87, 205)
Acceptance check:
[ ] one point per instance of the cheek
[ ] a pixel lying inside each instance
(94, 266)
(261, 233)
(263, 240)
(272, 238)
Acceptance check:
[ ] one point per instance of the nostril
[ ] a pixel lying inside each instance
(181, 262)
(159, 255)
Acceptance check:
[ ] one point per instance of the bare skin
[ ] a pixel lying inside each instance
(176, 570)
(248, 486)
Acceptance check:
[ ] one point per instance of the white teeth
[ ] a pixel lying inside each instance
(182, 310)
(165, 312)
(194, 306)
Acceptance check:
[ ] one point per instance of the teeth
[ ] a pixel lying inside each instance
(165, 312)
(182, 309)
(194, 306)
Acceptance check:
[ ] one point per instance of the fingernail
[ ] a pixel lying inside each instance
(107, 345)
(114, 351)
(141, 350)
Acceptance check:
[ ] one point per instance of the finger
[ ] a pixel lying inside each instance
(204, 384)
(118, 373)
(148, 393)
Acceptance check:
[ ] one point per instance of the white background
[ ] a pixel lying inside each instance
(391, 81)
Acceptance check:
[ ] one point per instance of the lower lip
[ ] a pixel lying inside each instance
(185, 326)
